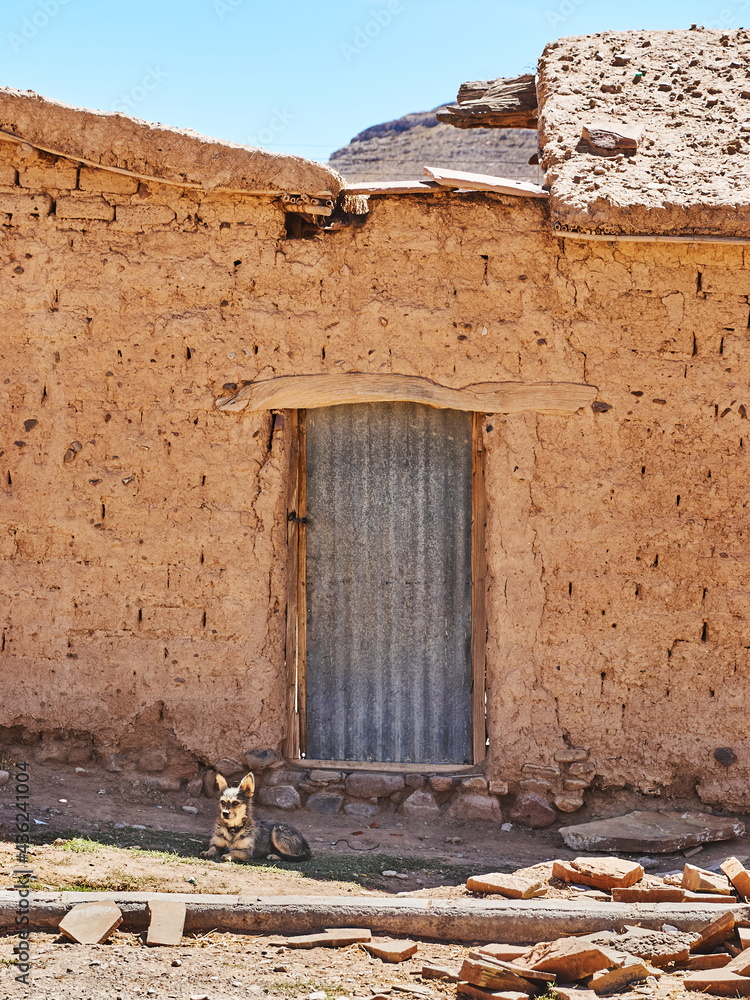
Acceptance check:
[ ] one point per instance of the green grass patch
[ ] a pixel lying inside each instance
(363, 869)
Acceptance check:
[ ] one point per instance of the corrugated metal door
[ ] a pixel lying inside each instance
(389, 583)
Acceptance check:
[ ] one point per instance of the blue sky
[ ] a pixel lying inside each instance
(295, 76)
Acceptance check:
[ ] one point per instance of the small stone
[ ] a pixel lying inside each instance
(441, 783)
(361, 809)
(530, 809)
(371, 785)
(191, 810)
(420, 805)
(506, 827)
(476, 807)
(571, 756)
(260, 759)
(195, 787)
(535, 785)
(154, 760)
(414, 781)
(4, 778)
(582, 769)
(568, 803)
(325, 803)
(324, 777)
(229, 768)
(114, 762)
(499, 788)
(725, 756)
(540, 771)
(453, 840)
(575, 785)
(162, 783)
(285, 777)
(389, 873)
(475, 785)
(280, 796)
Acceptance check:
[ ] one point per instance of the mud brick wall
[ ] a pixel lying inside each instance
(143, 532)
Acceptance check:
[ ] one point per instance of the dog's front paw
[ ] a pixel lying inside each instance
(210, 853)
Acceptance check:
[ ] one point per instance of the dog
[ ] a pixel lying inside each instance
(238, 836)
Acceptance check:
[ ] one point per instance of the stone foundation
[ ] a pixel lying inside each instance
(538, 797)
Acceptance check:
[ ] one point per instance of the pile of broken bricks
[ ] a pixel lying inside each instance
(622, 882)
(716, 960)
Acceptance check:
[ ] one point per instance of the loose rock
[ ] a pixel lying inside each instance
(280, 796)
(531, 809)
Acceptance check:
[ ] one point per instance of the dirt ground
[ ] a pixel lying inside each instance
(85, 840)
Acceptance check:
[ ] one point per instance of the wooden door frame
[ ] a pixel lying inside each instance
(296, 620)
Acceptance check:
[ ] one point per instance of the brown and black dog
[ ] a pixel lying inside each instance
(238, 836)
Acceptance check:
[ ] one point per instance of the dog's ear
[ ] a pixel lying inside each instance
(247, 785)
(221, 782)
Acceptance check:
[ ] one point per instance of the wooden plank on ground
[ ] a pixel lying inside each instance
(484, 182)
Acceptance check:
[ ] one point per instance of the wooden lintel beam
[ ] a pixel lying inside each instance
(310, 391)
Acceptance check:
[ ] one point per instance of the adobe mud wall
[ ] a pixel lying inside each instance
(143, 542)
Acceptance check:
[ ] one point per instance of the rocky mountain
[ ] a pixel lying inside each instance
(397, 150)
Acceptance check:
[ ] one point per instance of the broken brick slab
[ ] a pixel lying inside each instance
(651, 832)
(720, 929)
(739, 964)
(738, 875)
(601, 873)
(389, 950)
(166, 921)
(669, 894)
(339, 937)
(434, 971)
(91, 923)
(743, 933)
(699, 880)
(659, 947)
(511, 886)
(483, 976)
(503, 952)
(514, 968)
(718, 982)
(568, 958)
(478, 993)
(614, 980)
(695, 962)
